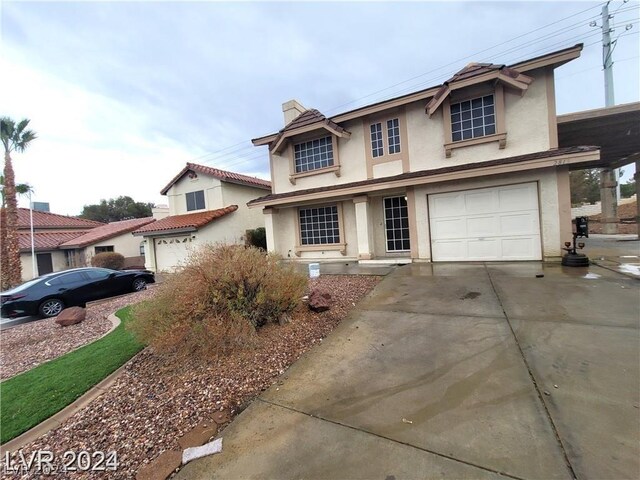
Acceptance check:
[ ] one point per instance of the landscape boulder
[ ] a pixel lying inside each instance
(71, 316)
(319, 300)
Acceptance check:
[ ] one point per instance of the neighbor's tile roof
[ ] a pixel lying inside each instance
(52, 220)
(223, 175)
(427, 173)
(46, 240)
(186, 221)
(107, 231)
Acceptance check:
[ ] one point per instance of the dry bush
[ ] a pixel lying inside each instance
(218, 300)
(112, 260)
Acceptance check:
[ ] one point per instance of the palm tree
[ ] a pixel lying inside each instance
(15, 138)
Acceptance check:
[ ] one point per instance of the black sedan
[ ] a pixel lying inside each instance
(49, 294)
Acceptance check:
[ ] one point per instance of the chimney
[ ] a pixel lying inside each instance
(292, 109)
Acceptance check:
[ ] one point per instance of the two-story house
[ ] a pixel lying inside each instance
(206, 205)
(463, 171)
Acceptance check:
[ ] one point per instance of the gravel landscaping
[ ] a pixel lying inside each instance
(28, 345)
(159, 398)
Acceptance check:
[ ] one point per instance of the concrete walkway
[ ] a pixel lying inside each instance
(457, 371)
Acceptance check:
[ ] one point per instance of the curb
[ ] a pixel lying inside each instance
(57, 419)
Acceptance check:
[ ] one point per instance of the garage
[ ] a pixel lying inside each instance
(172, 251)
(487, 224)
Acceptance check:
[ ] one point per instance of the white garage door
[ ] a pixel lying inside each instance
(500, 223)
(172, 252)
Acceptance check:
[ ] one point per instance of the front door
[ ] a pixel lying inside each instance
(45, 265)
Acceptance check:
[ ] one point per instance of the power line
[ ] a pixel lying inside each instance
(243, 152)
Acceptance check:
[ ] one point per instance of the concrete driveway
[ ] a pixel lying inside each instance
(457, 371)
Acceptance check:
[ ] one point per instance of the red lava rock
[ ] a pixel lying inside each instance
(161, 467)
(319, 300)
(199, 435)
(221, 417)
(71, 316)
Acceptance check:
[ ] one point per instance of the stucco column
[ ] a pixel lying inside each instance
(269, 228)
(363, 228)
(150, 253)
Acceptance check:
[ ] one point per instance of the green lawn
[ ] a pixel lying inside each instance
(33, 396)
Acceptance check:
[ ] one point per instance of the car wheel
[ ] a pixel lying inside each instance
(139, 284)
(51, 307)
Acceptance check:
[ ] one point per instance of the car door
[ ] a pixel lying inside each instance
(70, 287)
(98, 284)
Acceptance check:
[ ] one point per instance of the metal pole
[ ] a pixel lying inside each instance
(608, 177)
(33, 246)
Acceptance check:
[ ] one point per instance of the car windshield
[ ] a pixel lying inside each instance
(98, 273)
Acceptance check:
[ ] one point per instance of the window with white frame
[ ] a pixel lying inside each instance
(313, 155)
(473, 118)
(195, 200)
(377, 146)
(396, 221)
(393, 136)
(319, 225)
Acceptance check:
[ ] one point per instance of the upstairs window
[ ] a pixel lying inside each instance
(103, 249)
(393, 136)
(377, 147)
(195, 200)
(313, 155)
(473, 118)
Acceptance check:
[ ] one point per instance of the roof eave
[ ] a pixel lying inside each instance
(156, 233)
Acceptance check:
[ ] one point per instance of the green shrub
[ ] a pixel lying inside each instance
(219, 299)
(257, 238)
(113, 260)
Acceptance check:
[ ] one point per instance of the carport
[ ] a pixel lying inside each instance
(616, 130)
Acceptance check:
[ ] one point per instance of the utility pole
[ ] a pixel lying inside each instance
(608, 176)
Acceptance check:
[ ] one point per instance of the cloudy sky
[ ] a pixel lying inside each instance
(122, 94)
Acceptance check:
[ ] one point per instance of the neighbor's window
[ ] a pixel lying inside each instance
(195, 200)
(392, 138)
(106, 248)
(319, 225)
(473, 118)
(313, 155)
(396, 220)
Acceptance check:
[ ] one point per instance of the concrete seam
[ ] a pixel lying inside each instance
(628, 275)
(533, 380)
(428, 313)
(433, 452)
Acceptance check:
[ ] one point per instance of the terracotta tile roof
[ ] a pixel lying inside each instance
(46, 240)
(309, 117)
(107, 231)
(52, 220)
(432, 172)
(223, 175)
(189, 221)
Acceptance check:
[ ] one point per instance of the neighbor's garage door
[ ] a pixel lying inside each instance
(499, 223)
(172, 252)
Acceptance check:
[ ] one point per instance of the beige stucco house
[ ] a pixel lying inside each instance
(469, 170)
(50, 230)
(206, 205)
(111, 237)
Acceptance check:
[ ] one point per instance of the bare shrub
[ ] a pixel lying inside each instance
(112, 260)
(217, 301)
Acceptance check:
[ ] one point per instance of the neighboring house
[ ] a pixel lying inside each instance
(467, 170)
(50, 230)
(112, 237)
(206, 205)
